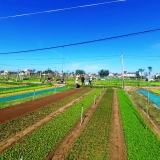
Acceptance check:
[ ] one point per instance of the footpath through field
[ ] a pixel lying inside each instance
(117, 148)
(13, 112)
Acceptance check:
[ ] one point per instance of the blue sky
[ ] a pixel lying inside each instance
(79, 25)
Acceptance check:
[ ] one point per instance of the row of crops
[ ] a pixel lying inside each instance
(140, 140)
(93, 143)
(33, 94)
(47, 137)
(12, 127)
(12, 91)
(16, 96)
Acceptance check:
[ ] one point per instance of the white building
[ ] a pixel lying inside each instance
(130, 74)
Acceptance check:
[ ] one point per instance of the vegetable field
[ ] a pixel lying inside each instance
(80, 123)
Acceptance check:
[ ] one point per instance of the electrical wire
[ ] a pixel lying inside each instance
(61, 9)
(84, 42)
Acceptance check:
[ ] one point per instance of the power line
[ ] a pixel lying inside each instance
(84, 42)
(61, 9)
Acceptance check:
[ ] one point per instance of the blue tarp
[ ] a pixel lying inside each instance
(153, 97)
(34, 93)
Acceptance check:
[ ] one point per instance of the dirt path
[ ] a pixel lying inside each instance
(61, 151)
(16, 111)
(7, 143)
(117, 148)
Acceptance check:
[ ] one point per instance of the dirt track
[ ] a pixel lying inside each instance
(16, 111)
(117, 148)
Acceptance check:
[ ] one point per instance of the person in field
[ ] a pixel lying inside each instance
(82, 79)
(77, 85)
(90, 79)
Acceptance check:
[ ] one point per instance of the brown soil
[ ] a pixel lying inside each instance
(16, 111)
(117, 148)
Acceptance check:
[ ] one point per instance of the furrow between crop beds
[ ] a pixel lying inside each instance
(117, 148)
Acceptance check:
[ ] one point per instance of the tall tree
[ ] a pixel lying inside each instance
(48, 71)
(103, 73)
(80, 71)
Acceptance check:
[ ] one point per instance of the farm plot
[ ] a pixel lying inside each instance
(14, 126)
(47, 137)
(141, 141)
(93, 143)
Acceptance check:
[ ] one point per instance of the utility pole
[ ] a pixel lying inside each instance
(17, 76)
(40, 76)
(63, 61)
(122, 71)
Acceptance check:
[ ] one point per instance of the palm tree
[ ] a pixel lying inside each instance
(149, 73)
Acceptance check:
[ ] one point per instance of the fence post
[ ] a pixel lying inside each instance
(21, 158)
(95, 99)
(81, 115)
(34, 95)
